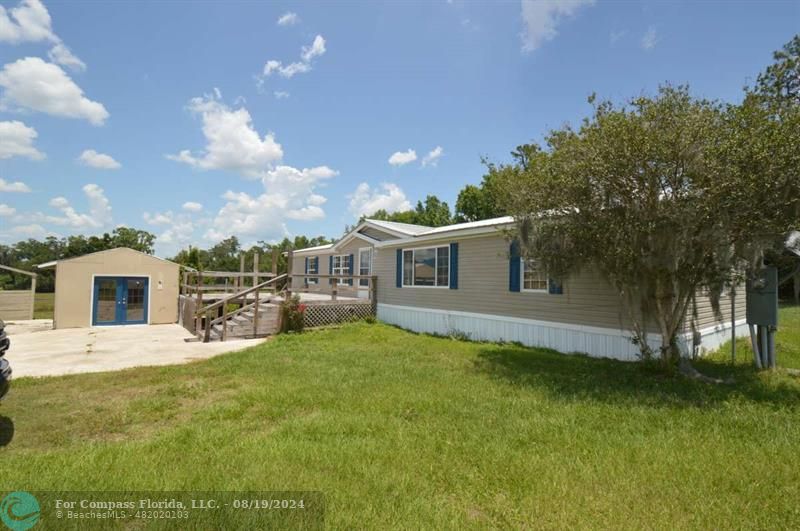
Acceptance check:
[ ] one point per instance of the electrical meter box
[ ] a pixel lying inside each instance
(762, 297)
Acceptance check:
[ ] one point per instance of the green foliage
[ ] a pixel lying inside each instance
(780, 82)
(383, 421)
(225, 256)
(665, 195)
(27, 254)
(433, 212)
(475, 203)
(292, 315)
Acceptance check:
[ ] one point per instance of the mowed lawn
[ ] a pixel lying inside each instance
(43, 304)
(412, 431)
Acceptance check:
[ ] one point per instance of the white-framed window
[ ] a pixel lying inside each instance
(427, 267)
(534, 278)
(313, 269)
(341, 266)
(364, 265)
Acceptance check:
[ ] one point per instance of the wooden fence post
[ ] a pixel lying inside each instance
(240, 279)
(33, 294)
(289, 277)
(199, 303)
(255, 295)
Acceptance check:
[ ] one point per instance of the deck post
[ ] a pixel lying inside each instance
(199, 302)
(207, 331)
(33, 294)
(334, 290)
(255, 268)
(255, 295)
(240, 278)
(289, 277)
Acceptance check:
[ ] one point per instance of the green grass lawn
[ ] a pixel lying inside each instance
(43, 305)
(412, 431)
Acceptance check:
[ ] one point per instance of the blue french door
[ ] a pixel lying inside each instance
(120, 300)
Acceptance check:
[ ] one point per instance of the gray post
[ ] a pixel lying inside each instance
(754, 343)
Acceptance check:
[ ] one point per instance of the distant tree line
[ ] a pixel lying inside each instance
(27, 254)
(225, 255)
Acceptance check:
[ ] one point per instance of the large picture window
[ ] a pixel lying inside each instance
(534, 278)
(313, 269)
(428, 267)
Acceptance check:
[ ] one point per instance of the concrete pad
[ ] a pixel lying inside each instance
(38, 352)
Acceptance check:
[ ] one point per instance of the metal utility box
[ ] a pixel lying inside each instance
(762, 297)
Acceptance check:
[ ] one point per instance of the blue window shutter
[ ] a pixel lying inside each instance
(305, 279)
(330, 268)
(453, 266)
(399, 272)
(350, 280)
(554, 287)
(514, 267)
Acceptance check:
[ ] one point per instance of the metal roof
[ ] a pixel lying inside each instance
(115, 249)
(405, 228)
(505, 220)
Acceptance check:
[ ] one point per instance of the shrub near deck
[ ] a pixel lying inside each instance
(407, 430)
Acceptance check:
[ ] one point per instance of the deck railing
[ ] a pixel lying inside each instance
(270, 286)
(335, 284)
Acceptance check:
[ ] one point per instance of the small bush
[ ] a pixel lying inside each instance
(292, 315)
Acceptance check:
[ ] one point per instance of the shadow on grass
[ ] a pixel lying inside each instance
(6, 431)
(578, 377)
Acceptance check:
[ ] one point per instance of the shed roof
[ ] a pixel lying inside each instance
(47, 265)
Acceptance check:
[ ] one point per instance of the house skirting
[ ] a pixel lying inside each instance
(564, 337)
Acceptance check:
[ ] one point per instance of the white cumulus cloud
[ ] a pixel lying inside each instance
(98, 216)
(365, 201)
(288, 19)
(433, 156)
(45, 87)
(158, 218)
(192, 206)
(33, 230)
(30, 21)
(7, 211)
(650, 38)
(401, 158)
(232, 143)
(289, 193)
(10, 187)
(62, 55)
(541, 18)
(16, 140)
(307, 55)
(97, 160)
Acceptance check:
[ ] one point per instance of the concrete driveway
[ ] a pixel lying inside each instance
(37, 350)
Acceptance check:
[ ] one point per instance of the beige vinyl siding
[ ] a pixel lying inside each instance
(16, 304)
(483, 287)
(483, 282)
(299, 267)
(75, 289)
(377, 234)
(706, 317)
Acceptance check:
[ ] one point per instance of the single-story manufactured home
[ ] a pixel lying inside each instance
(468, 279)
(114, 287)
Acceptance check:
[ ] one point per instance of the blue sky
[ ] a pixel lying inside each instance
(201, 120)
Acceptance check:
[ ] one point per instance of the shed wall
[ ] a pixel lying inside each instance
(74, 285)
